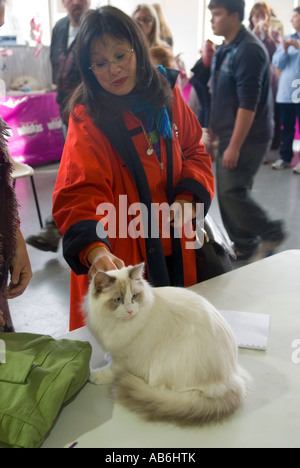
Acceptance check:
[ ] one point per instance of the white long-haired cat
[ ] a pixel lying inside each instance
(174, 356)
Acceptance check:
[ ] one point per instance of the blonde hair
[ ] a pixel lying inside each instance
(150, 11)
(165, 32)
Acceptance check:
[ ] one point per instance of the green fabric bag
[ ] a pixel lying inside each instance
(39, 375)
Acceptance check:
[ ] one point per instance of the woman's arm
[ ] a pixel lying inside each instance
(20, 269)
(84, 181)
(280, 57)
(196, 177)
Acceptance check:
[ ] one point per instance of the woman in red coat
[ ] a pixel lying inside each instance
(133, 149)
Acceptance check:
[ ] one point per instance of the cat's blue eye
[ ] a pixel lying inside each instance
(134, 297)
(118, 300)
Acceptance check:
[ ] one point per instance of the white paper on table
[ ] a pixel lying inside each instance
(250, 330)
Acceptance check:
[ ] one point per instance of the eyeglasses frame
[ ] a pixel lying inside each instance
(109, 62)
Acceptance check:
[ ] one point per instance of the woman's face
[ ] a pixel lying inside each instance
(296, 21)
(144, 21)
(259, 16)
(113, 63)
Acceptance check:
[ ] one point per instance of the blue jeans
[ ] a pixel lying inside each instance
(288, 115)
(246, 222)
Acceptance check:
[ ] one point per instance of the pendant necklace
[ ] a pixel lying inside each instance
(150, 150)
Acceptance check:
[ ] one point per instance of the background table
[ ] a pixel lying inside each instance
(271, 415)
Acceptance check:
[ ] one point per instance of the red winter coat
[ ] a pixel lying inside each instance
(92, 172)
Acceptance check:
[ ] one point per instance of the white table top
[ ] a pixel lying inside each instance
(271, 415)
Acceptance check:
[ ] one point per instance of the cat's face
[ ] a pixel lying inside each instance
(121, 293)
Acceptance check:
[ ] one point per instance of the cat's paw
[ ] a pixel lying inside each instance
(102, 377)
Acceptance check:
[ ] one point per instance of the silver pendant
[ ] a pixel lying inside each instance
(149, 151)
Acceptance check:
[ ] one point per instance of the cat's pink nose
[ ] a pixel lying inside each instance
(130, 312)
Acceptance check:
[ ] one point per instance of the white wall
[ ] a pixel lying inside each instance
(18, 16)
(182, 18)
(283, 10)
(185, 18)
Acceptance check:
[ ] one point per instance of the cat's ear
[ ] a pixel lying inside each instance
(102, 281)
(137, 272)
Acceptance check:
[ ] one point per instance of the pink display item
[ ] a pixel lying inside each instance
(36, 126)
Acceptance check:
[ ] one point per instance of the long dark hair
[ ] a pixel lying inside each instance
(101, 105)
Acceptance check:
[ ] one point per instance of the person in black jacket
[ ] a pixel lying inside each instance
(200, 81)
(242, 118)
(66, 76)
(63, 51)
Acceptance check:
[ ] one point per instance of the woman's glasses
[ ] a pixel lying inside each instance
(144, 20)
(100, 68)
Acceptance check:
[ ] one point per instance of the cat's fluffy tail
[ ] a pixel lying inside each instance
(192, 406)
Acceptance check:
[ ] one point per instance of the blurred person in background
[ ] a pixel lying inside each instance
(67, 77)
(146, 17)
(65, 72)
(164, 32)
(200, 98)
(287, 59)
(242, 117)
(260, 25)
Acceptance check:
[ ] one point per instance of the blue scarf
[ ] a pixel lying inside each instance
(156, 118)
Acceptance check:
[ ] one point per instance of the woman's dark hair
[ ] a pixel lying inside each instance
(101, 105)
(297, 10)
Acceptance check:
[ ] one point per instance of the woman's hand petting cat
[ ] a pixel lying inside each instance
(20, 270)
(100, 258)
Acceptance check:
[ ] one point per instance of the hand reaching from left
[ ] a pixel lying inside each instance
(20, 270)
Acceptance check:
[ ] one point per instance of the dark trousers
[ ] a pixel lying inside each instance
(288, 117)
(245, 220)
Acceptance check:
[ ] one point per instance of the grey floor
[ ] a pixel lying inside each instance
(44, 307)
